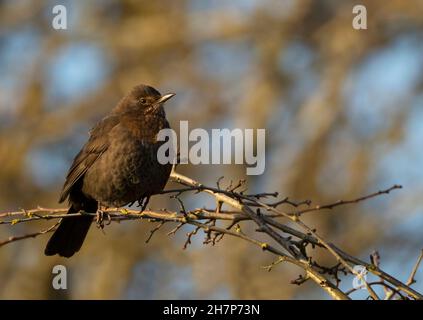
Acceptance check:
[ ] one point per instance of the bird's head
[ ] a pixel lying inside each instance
(145, 99)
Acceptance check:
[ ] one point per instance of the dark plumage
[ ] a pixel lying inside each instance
(117, 166)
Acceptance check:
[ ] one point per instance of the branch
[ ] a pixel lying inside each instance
(294, 244)
(345, 202)
(411, 279)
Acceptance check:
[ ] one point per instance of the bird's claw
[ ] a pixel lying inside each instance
(101, 216)
(143, 203)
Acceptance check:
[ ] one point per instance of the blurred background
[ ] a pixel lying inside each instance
(342, 108)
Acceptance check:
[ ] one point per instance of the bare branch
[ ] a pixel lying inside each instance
(294, 244)
(411, 279)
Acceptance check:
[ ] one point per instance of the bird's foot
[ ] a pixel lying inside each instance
(143, 203)
(102, 216)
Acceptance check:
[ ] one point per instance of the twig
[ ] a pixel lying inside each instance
(29, 235)
(345, 202)
(411, 279)
(159, 225)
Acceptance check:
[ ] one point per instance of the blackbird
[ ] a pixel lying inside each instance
(117, 166)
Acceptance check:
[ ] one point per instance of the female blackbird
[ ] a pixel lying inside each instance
(117, 166)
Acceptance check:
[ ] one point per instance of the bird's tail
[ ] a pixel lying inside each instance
(69, 236)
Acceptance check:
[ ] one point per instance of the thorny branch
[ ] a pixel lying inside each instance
(233, 206)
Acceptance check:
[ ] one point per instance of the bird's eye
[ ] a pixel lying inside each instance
(143, 100)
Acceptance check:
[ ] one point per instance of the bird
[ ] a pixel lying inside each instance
(117, 166)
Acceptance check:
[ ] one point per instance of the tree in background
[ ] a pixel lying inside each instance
(342, 109)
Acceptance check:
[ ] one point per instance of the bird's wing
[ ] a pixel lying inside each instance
(92, 150)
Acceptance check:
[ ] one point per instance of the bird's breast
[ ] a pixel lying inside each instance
(127, 171)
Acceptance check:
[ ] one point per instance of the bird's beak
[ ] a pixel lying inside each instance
(165, 98)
